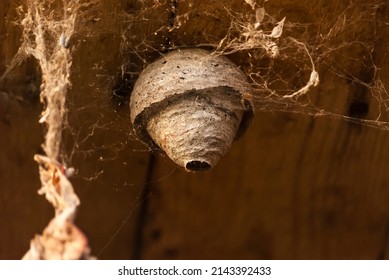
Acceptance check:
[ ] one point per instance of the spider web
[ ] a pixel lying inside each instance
(288, 58)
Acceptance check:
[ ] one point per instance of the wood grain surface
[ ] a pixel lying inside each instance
(293, 187)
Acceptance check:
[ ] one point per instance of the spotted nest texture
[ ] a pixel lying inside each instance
(192, 105)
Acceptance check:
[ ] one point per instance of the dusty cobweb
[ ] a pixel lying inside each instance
(283, 57)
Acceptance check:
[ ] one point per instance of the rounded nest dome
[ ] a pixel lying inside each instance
(187, 102)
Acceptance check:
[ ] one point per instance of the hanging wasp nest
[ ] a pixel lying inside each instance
(192, 105)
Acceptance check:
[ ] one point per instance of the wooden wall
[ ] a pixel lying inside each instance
(294, 187)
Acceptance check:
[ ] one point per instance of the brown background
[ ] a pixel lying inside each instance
(294, 187)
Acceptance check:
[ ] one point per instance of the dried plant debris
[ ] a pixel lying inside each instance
(281, 62)
(61, 240)
(43, 22)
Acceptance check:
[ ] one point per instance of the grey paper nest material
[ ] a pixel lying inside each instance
(192, 105)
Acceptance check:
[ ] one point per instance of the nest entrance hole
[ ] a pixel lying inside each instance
(197, 165)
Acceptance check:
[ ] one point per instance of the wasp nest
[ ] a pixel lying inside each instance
(191, 105)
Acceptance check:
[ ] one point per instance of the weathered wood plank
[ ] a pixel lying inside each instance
(110, 166)
(294, 187)
(20, 138)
